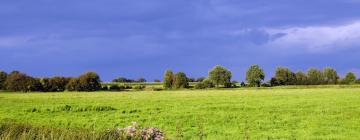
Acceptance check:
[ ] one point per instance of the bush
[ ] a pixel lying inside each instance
(266, 84)
(206, 83)
(242, 84)
(139, 87)
(116, 88)
(104, 87)
(55, 84)
(17, 81)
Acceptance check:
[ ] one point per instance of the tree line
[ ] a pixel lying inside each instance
(18, 81)
(218, 76)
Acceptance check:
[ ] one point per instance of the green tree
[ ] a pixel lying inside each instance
(220, 76)
(301, 78)
(314, 76)
(3, 76)
(255, 75)
(17, 81)
(205, 83)
(285, 76)
(74, 84)
(54, 84)
(168, 79)
(180, 80)
(330, 76)
(350, 78)
(89, 81)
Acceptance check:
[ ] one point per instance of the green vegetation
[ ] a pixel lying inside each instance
(293, 112)
(255, 75)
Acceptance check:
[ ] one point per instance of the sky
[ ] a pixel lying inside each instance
(143, 38)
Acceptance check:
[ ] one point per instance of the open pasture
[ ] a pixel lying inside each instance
(278, 113)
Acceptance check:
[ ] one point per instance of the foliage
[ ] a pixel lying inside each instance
(220, 75)
(73, 85)
(206, 83)
(89, 81)
(200, 79)
(314, 76)
(17, 81)
(55, 84)
(141, 80)
(180, 80)
(350, 78)
(284, 76)
(330, 76)
(168, 79)
(3, 76)
(255, 75)
(139, 87)
(301, 78)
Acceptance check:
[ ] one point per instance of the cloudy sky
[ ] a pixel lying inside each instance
(142, 38)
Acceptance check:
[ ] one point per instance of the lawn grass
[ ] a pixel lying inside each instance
(277, 113)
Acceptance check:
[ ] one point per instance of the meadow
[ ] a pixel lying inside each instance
(331, 112)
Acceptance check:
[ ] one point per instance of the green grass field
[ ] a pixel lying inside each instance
(277, 113)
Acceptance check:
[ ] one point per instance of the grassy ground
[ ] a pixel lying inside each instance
(279, 113)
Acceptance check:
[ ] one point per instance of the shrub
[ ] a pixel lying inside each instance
(206, 83)
(141, 80)
(139, 87)
(267, 84)
(180, 80)
(3, 76)
(242, 84)
(104, 87)
(17, 81)
(116, 88)
(55, 84)
(157, 81)
(200, 79)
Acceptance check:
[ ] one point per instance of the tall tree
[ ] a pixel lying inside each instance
(180, 80)
(330, 76)
(168, 79)
(285, 76)
(220, 75)
(314, 76)
(255, 75)
(301, 78)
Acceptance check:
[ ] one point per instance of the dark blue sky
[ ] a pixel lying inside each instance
(142, 38)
